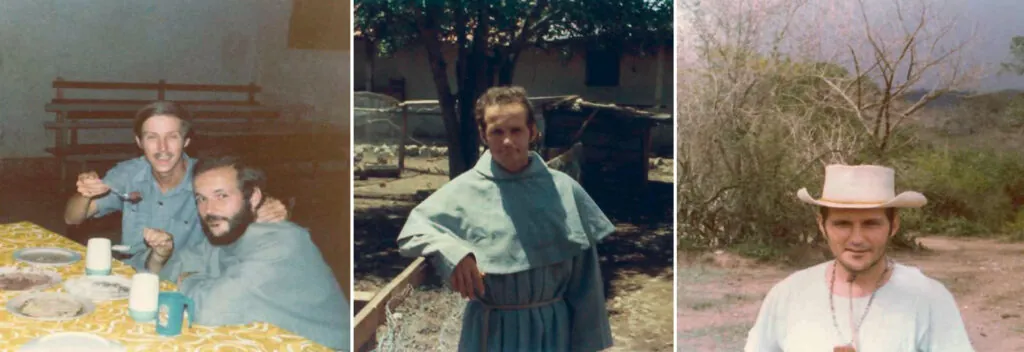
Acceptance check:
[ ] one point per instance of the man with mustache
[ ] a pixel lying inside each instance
(244, 271)
(158, 185)
(518, 239)
(862, 300)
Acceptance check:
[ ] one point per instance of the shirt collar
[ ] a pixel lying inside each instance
(186, 182)
(489, 168)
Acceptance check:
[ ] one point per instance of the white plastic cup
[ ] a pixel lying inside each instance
(144, 296)
(97, 257)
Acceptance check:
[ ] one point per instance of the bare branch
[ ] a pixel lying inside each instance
(837, 90)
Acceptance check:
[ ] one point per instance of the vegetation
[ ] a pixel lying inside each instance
(490, 36)
(764, 122)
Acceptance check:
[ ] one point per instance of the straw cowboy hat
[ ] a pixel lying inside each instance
(861, 187)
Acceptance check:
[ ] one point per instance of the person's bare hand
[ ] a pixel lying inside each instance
(467, 279)
(272, 210)
(161, 241)
(90, 185)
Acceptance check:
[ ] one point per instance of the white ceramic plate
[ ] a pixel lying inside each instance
(72, 341)
(9, 273)
(83, 306)
(47, 256)
(99, 288)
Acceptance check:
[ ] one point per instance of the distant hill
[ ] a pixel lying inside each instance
(956, 97)
(946, 100)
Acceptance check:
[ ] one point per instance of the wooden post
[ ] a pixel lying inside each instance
(373, 314)
(252, 98)
(401, 142)
(58, 142)
(659, 77)
(252, 93)
(648, 126)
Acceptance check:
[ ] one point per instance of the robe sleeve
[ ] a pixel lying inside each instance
(432, 237)
(188, 259)
(765, 336)
(594, 221)
(225, 299)
(590, 328)
(138, 261)
(183, 260)
(255, 287)
(946, 332)
(222, 300)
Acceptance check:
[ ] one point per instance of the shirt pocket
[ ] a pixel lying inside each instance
(183, 231)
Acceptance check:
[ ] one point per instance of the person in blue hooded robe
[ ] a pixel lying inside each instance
(518, 239)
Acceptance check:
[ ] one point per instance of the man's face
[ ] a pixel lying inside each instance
(162, 140)
(858, 237)
(223, 209)
(508, 136)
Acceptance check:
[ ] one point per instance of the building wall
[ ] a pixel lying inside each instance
(222, 42)
(181, 41)
(541, 73)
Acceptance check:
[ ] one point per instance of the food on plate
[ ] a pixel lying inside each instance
(51, 307)
(99, 288)
(48, 258)
(111, 288)
(17, 281)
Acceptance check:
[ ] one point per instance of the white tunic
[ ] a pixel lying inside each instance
(911, 312)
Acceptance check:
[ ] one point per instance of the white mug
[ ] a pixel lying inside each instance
(143, 297)
(97, 257)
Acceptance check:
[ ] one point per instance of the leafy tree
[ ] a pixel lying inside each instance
(1017, 50)
(491, 35)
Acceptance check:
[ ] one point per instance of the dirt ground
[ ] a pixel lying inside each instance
(720, 294)
(636, 264)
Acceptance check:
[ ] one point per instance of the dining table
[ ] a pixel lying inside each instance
(110, 319)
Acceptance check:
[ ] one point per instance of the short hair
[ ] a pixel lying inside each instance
(502, 95)
(249, 177)
(163, 107)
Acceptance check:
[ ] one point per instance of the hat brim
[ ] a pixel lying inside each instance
(908, 199)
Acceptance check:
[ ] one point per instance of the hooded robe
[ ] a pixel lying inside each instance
(533, 234)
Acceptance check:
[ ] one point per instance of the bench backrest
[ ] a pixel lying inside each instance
(244, 105)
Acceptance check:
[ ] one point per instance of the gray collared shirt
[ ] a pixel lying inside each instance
(174, 212)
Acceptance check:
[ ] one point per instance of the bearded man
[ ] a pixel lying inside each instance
(245, 271)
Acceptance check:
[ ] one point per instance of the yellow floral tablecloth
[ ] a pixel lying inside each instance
(111, 320)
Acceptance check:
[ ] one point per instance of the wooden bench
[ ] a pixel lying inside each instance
(235, 123)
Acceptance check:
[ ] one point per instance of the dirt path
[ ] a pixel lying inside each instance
(719, 295)
(636, 263)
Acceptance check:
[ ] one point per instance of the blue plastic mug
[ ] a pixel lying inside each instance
(170, 313)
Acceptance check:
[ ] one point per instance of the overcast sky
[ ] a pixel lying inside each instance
(999, 21)
(992, 22)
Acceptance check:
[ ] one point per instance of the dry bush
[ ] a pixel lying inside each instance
(754, 128)
(428, 319)
(762, 110)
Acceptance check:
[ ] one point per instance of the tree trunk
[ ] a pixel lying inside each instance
(470, 86)
(438, 69)
(371, 55)
(507, 67)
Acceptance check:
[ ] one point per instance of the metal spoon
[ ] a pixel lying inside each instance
(120, 248)
(133, 197)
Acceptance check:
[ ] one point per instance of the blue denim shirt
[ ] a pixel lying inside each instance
(174, 212)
